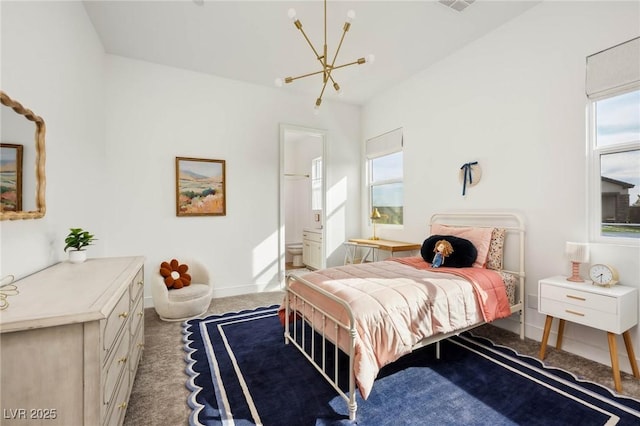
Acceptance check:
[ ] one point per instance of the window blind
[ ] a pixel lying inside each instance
(384, 144)
(614, 69)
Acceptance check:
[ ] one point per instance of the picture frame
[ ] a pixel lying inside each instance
(11, 177)
(200, 187)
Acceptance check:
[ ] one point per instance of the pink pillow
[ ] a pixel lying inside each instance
(479, 237)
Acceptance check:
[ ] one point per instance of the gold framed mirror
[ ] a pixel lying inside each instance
(23, 181)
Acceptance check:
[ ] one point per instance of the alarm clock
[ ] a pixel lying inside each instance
(603, 275)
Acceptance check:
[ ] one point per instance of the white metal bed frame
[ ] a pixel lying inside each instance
(329, 330)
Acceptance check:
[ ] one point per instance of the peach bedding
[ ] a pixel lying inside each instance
(398, 303)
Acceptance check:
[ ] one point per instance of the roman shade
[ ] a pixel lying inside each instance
(613, 70)
(384, 144)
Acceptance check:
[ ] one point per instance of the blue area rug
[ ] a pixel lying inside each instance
(241, 372)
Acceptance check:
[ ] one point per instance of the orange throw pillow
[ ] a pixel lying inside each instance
(174, 274)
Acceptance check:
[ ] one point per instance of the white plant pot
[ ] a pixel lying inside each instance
(77, 256)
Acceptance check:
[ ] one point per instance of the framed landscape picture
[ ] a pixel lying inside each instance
(200, 187)
(11, 177)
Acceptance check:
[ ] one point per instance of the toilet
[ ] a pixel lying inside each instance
(295, 249)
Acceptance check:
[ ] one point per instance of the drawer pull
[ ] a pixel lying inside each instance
(141, 345)
(574, 312)
(141, 282)
(576, 297)
(122, 360)
(140, 314)
(122, 406)
(124, 315)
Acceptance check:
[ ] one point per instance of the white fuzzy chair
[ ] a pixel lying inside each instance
(186, 302)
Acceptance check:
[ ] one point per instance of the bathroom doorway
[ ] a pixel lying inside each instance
(302, 198)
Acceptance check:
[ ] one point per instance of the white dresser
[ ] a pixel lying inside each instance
(612, 309)
(70, 343)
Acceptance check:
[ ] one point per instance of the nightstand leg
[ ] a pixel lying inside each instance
(545, 336)
(614, 361)
(560, 333)
(631, 354)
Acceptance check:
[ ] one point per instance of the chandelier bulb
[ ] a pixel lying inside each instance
(371, 58)
(351, 15)
(292, 14)
(279, 82)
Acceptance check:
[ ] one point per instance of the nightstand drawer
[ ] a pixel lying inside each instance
(580, 314)
(580, 299)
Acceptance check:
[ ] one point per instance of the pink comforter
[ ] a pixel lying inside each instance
(398, 303)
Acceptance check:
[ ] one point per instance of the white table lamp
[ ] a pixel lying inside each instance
(577, 253)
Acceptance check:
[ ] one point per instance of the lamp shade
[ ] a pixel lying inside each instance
(577, 252)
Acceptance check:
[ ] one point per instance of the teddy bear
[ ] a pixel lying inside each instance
(442, 250)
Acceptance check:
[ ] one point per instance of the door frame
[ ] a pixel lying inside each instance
(282, 249)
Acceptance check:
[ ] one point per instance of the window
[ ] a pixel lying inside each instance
(385, 177)
(616, 165)
(613, 87)
(316, 184)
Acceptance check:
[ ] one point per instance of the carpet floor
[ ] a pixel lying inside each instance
(159, 395)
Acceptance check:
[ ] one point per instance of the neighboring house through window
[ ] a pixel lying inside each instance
(385, 174)
(613, 88)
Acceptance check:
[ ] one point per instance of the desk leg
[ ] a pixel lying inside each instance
(614, 361)
(560, 333)
(545, 336)
(631, 354)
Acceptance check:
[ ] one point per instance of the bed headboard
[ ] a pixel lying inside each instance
(511, 222)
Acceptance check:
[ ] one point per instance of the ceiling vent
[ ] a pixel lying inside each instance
(458, 5)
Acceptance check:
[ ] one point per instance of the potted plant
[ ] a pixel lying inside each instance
(77, 240)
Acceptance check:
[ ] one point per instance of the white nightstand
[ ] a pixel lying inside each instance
(613, 309)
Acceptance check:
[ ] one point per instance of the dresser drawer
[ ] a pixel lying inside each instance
(117, 364)
(580, 315)
(581, 299)
(117, 407)
(137, 345)
(116, 320)
(137, 286)
(137, 315)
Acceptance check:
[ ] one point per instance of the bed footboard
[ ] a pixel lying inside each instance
(315, 332)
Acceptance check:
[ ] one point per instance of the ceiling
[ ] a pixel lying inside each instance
(255, 42)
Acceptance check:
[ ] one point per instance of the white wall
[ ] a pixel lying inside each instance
(52, 63)
(156, 113)
(513, 101)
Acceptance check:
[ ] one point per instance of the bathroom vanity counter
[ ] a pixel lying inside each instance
(312, 250)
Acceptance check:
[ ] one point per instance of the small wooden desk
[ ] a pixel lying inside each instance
(388, 245)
